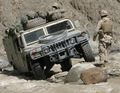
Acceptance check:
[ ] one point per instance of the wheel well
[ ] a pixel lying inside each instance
(79, 48)
(42, 61)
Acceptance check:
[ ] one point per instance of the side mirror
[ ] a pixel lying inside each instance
(7, 31)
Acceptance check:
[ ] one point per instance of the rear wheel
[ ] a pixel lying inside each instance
(66, 65)
(88, 53)
(38, 71)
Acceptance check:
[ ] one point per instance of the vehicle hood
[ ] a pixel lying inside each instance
(51, 39)
(58, 37)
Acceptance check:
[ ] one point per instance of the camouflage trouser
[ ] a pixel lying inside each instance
(104, 50)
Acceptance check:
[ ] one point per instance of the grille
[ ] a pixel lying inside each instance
(61, 44)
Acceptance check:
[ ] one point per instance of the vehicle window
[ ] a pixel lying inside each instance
(33, 36)
(66, 25)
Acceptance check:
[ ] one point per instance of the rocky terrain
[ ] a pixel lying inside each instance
(86, 11)
(13, 82)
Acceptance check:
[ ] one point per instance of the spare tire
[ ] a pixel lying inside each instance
(35, 22)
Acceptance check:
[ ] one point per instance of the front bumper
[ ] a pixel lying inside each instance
(60, 50)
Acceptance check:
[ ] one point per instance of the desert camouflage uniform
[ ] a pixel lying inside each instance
(55, 12)
(104, 33)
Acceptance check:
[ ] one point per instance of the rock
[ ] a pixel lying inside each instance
(113, 68)
(75, 72)
(3, 63)
(59, 77)
(83, 65)
(94, 75)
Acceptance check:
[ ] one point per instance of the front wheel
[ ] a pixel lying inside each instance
(66, 65)
(38, 71)
(88, 53)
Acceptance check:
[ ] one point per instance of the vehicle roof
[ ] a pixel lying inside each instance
(45, 25)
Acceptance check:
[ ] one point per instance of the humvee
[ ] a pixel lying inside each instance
(36, 50)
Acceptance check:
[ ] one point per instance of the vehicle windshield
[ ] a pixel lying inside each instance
(33, 36)
(62, 26)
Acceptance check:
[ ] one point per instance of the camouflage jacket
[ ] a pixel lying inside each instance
(105, 25)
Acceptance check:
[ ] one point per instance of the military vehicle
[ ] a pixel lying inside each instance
(36, 50)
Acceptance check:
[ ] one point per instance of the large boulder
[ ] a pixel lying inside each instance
(74, 74)
(94, 75)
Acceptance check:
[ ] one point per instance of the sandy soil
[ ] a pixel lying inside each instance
(13, 82)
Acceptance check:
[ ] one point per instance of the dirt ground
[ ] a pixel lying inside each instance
(13, 82)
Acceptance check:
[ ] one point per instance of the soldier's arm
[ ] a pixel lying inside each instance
(97, 30)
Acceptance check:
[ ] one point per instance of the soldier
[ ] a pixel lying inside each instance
(55, 12)
(104, 33)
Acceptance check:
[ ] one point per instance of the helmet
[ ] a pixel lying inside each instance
(55, 5)
(103, 13)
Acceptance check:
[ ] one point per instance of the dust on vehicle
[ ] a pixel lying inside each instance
(36, 50)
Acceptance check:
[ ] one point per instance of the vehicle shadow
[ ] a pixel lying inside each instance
(26, 76)
(14, 73)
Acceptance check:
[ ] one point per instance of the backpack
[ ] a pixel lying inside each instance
(107, 25)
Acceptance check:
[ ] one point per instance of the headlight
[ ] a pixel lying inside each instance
(46, 49)
(35, 53)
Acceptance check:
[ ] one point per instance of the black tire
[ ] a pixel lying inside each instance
(38, 71)
(66, 65)
(35, 22)
(87, 53)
